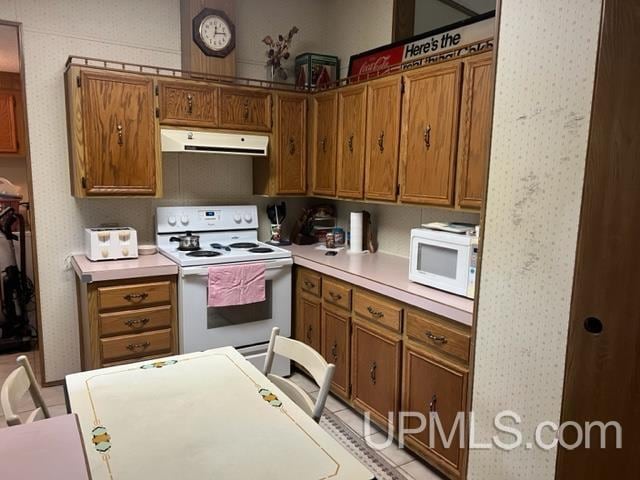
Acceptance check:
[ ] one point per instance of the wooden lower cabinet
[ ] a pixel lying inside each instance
(432, 385)
(124, 321)
(308, 313)
(375, 371)
(336, 333)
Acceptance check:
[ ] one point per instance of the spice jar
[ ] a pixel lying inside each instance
(330, 240)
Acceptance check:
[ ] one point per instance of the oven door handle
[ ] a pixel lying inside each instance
(204, 270)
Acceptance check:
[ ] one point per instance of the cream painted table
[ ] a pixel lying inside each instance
(201, 415)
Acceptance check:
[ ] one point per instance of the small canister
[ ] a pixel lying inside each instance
(330, 240)
(339, 236)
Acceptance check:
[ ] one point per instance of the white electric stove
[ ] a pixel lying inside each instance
(228, 235)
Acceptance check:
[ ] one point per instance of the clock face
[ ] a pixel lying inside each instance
(215, 32)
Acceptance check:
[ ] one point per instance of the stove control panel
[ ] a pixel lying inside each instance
(200, 219)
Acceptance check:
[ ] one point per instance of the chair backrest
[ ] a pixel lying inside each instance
(17, 384)
(321, 371)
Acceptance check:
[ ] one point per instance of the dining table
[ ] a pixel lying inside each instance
(203, 415)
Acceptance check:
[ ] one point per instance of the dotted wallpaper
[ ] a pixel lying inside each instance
(546, 63)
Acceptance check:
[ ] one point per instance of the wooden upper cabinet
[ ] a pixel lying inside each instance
(475, 129)
(291, 143)
(432, 385)
(429, 134)
(114, 134)
(323, 143)
(245, 109)
(188, 103)
(382, 139)
(352, 109)
(8, 123)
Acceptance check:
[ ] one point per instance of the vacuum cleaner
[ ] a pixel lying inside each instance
(16, 332)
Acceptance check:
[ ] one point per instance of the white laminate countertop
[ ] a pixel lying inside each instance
(143, 266)
(385, 274)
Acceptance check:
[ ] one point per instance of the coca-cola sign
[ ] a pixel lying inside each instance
(474, 34)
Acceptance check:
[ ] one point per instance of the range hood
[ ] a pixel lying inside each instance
(200, 141)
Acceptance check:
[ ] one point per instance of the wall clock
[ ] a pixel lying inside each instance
(214, 32)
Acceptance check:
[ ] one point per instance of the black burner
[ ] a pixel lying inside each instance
(244, 245)
(190, 249)
(261, 250)
(203, 253)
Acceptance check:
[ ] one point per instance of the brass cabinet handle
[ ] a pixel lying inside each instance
(136, 297)
(323, 144)
(246, 109)
(309, 284)
(120, 134)
(189, 104)
(427, 137)
(433, 403)
(381, 141)
(137, 347)
(292, 146)
(439, 339)
(350, 143)
(372, 372)
(334, 351)
(335, 296)
(136, 322)
(374, 312)
(309, 331)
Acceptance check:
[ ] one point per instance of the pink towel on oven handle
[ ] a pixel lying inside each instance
(237, 284)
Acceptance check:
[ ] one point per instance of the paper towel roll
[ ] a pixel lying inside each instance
(356, 232)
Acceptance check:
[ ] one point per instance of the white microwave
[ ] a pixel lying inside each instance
(444, 260)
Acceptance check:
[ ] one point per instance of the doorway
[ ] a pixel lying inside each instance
(19, 316)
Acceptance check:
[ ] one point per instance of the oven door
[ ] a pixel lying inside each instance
(441, 265)
(202, 327)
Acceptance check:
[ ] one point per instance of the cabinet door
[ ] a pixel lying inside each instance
(375, 371)
(8, 124)
(245, 109)
(290, 151)
(429, 134)
(120, 134)
(308, 320)
(189, 104)
(383, 137)
(433, 386)
(335, 348)
(351, 130)
(325, 112)
(475, 130)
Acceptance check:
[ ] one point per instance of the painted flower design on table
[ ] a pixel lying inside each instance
(158, 364)
(270, 397)
(101, 439)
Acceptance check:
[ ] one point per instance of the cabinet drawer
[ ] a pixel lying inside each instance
(438, 334)
(134, 295)
(188, 104)
(245, 109)
(336, 293)
(379, 309)
(134, 321)
(310, 282)
(135, 346)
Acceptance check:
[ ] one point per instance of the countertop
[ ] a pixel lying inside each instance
(385, 274)
(143, 266)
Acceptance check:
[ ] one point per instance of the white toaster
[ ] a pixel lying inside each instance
(110, 243)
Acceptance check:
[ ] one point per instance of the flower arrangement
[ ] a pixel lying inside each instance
(277, 52)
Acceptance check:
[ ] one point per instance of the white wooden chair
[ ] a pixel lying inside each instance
(312, 361)
(17, 384)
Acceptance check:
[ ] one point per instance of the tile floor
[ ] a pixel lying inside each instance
(406, 463)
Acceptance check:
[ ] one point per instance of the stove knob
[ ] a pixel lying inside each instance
(237, 218)
(172, 220)
(248, 217)
(184, 220)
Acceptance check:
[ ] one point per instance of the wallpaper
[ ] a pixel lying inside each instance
(546, 62)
